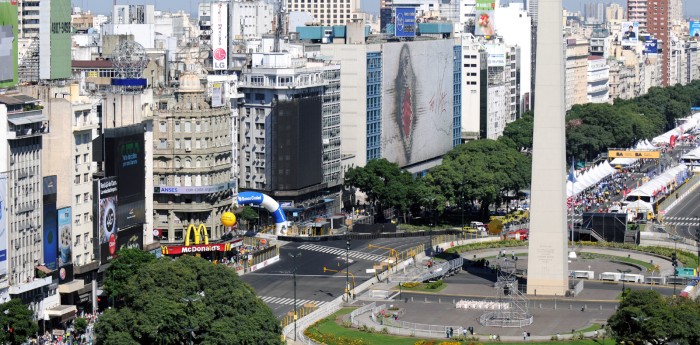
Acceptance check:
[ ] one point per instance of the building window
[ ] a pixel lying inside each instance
(77, 179)
(86, 177)
(163, 144)
(163, 126)
(77, 199)
(77, 239)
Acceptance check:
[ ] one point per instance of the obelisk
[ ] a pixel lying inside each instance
(547, 267)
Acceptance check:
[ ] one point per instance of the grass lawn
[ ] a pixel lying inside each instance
(341, 335)
(590, 328)
(646, 265)
(423, 288)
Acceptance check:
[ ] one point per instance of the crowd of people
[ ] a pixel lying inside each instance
(71, 336)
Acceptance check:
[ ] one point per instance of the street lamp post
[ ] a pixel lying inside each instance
(189, 301)
(347, 266)
(623, 272)
(294, 277)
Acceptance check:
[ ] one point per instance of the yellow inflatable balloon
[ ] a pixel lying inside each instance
(228, 219)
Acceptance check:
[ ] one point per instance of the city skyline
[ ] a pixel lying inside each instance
(690, 8)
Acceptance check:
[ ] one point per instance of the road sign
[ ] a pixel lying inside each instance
(634, 154)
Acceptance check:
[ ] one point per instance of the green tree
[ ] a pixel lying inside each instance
(168, 300)
(127, 263)
(247, 214)
(518, 134)
(483, 171)
(385, 184)
(643, 316)
(80, 325)
(17, 317)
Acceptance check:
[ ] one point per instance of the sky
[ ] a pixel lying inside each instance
(690, 7)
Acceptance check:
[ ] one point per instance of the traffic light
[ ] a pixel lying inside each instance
(347, 244)
(674, 260)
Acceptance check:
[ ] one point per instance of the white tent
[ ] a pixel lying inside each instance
(589, 178)
(638, 206)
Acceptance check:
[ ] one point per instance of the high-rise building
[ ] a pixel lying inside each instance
(326, 13)
(192, 161)
(614, 14)
(637, 12)
(28, 11)
(658, 18)
(576, 71)
(470, 87)
(515, 27)
(22, 124)
(598, 78)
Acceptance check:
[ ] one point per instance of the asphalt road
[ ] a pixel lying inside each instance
(275, 284)
(685, 217)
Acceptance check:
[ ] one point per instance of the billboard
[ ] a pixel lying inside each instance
(485, 10)
(3, 224)
(219, 35)
(8, 44)
(65, 234)
(107, 210)
(50, 223)
(629, 31)
(496, 55)
(217, 97)
(417, 107)
(125, 159)
(55, 32)
(405, 21)
(651, 46)
(695, 30)
(126, 238)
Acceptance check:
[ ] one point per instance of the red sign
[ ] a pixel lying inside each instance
(112, 244)
(219, 54)
(200, 248)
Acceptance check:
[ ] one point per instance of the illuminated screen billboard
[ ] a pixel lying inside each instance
(50, 223)
(219, 35)
(3, 224)
(107, 217)
(125, 159)
(417, 107)
(65, 234)
(8, 44)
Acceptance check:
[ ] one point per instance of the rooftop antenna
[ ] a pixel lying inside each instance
(278, 28)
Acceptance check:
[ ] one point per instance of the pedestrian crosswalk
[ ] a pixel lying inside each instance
(341, 252)
(682, 221)
(289, 301)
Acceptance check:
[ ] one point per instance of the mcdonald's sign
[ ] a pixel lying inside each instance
(198, 233)
(200, 248)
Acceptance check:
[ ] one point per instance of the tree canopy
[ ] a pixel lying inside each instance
(593, 128)
(646, 316)
(124, 266)
(168, 300)
(17, 322)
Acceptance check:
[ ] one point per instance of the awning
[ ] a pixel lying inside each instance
(65, 312)
(71, 287)
(44, 269)
(23, 120)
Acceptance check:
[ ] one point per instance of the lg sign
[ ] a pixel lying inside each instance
(219, 54)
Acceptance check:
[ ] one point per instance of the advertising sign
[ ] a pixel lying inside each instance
(3, 224)
(417, 106)
(496, 55)
(107, 209)
(193, 189)
(485, 25)
(65, 274)
(8, 43)
(50, 223)
(200, 248)
(125, 159)
(126, 238)
(65, 234)
(634, 154)
(629, 33)
(405, 22)
(651, 46)
(217, 99)
(219, 35)
(695, 30)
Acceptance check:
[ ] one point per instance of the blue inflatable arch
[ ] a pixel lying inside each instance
(272, 206)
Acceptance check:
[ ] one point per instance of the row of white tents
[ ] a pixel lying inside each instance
(589, 178)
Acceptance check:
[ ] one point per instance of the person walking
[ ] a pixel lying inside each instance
(524, 335)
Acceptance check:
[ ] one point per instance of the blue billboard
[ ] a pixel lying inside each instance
(405, 22)
(65, 241)
(651, 46)
(695, 30)
(50, 236)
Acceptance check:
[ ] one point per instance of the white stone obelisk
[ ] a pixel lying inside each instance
(547, 267)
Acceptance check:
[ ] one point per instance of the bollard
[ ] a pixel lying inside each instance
(439, 300)
(453, 301)
(411, 299)
(426, 300)
(540, 305)
(569, 306)
(601, 307)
